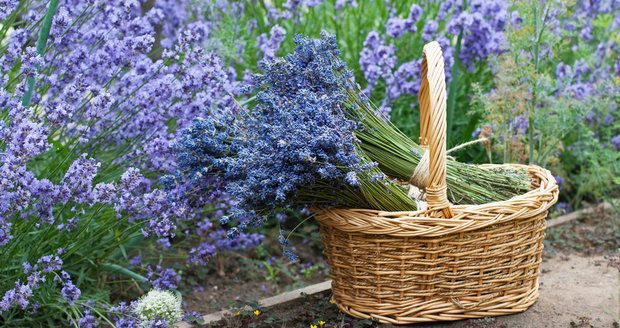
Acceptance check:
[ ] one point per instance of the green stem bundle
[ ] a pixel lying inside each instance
(398, 156)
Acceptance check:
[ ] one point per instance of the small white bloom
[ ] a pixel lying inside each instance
(158, 304)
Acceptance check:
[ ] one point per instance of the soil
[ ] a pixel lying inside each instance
(579, 288)
(242, 279)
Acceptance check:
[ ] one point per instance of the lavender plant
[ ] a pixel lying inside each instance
(86, 124)
(555, 98)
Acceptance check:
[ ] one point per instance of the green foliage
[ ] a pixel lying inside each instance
(532, 117)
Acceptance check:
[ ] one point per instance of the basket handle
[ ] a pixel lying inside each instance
(432, 100)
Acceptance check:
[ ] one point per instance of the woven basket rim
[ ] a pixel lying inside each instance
(425, 223)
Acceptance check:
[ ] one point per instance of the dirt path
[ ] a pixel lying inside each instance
(573, 290)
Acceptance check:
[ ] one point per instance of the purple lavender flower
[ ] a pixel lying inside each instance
(580, 90)
(586, 32)
(281, 217)
(515, 19)
(414, 16)
(395, 27)
(122, 316)
(290, 254)
(69, 226)
(20, 295)
(406, 80)
(70, 292)
(7, 7)
(135, 261)
(31, 60)
(563, 72)
(270, 45)
(352, 179)
(104, 193)
(482, 30)
(202, 253)
(615, 141)
(161, 278)
(520, 124)
(78, 180)
(609, 119)
(50, 263)
(581, 69)
(430, 28)
(376, 60)
(105, 93)
(158, 323)
(241, 242)
(88, 320)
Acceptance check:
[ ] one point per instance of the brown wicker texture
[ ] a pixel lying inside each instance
(447, 262)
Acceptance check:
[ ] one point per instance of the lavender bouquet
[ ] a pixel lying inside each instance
(315, 65)
(292, 150)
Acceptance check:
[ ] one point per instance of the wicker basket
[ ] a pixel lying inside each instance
(447, 262)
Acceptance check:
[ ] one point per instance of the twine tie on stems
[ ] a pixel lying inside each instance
(418, 182)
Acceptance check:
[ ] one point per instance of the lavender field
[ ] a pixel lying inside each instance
(163, 159)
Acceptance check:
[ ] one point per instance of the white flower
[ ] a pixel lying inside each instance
(158, 304)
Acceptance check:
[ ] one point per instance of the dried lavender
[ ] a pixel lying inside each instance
(396, 154)
(295, 148)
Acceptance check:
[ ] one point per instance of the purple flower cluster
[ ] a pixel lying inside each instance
(118, 81)
(243, 241)
(396, 27)
(7, 7)
(106, 81)
(615, 141)
(480, 24)
(122, 316)
(482, 29)
(405, 80)
(88, 320)
(158, 323)
(35, 275)
(164, 279)
(268, 46)
(377, 60)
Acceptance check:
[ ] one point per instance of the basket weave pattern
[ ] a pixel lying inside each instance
(448, 262)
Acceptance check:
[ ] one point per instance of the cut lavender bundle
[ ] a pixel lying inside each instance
(315, 65)
(293, 149)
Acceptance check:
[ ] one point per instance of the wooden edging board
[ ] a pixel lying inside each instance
(578, 214)
(267, 302)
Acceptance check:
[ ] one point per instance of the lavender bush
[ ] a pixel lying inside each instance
(87, 121)
(555, 98)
